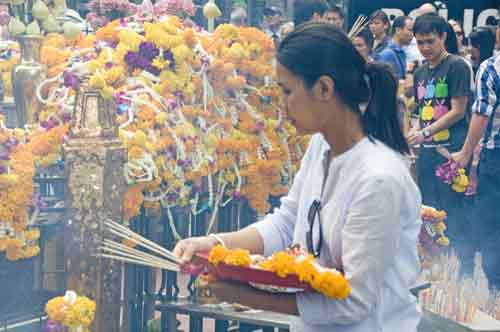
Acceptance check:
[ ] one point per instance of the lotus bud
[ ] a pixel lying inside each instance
(16, 27)
(71, 30)
(40, 10)
(51, 24)
(210, 10)
(33, 28)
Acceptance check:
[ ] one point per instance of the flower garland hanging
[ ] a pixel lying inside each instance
(72, 311)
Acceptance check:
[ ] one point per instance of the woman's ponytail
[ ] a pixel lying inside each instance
(381, 118)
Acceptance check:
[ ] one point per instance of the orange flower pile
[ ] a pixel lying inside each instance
(328, 282)
(236, 257)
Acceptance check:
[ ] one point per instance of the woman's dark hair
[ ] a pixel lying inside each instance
(304, 10)
(451, 42)
(483, 39)
(430, 23)
(367, 36)
(356, 81)
(382, 16)
(337, 10)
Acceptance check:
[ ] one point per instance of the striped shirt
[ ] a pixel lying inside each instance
(487, 99)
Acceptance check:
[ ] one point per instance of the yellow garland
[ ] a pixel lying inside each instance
(328, 282)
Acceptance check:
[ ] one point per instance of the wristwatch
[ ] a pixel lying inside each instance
(426, 133)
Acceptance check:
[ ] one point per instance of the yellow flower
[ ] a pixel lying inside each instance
(182, 53)
(130, 38)
(238, 257)
(332, 285)
(8, 180)
(93, 66)
(217, 255)
(107, 92)
(160, 118)
(114, 74)
(281, 263)
(97, 81)
(443, 241)
(32, 235)
(159, 63)
(169, 26)
(305, 269)
(135, 153)
(236, 52)
(440, 227)
(139, 139)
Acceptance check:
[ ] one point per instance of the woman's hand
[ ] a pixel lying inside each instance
(185, 249)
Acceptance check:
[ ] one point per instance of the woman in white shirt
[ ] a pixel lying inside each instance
(353, 204)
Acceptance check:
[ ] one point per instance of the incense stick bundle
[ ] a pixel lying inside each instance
(358, 26)
(157, 256)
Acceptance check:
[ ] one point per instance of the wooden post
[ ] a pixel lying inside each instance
(94, 160)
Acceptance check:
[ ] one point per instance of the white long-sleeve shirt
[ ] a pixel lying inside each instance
(371, 220)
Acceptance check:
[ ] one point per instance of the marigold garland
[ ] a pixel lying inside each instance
(71, 310)
(328, 282)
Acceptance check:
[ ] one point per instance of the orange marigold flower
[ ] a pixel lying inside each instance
(218, 254)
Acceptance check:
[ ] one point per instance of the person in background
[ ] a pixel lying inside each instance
(413, 55)
(363, 42)
(308, 10)
(380, 27)
(238, 17)
(335, 15)
(485, 127)
(482, 43)
(441, 90)
(353, 204)
(272, 24)
(459, 32)
(451, 42)
(393, 54)
(426, 8)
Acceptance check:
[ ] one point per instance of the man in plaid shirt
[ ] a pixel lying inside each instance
(485, 125)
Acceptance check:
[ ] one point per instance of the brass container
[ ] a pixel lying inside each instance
(25, 78)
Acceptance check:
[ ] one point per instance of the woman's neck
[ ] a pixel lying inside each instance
(344, 133)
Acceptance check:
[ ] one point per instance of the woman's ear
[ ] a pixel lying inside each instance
(323, 89)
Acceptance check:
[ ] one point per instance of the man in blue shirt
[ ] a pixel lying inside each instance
(394, 54)
(485, 127)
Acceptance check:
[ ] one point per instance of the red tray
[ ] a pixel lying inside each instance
(247, 274)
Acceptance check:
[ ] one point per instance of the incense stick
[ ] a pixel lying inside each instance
(128, 234)
(133, 261)
(119, 248)
(360, 24)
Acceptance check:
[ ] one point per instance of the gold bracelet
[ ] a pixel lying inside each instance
(218, 239)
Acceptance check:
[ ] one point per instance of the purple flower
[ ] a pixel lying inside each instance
(52, 326)
(131, 59)
(3, 169)
(5, 155)
(148, 50)
(66, 116)
(71, 80)
(236, 194)
(153, 70)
